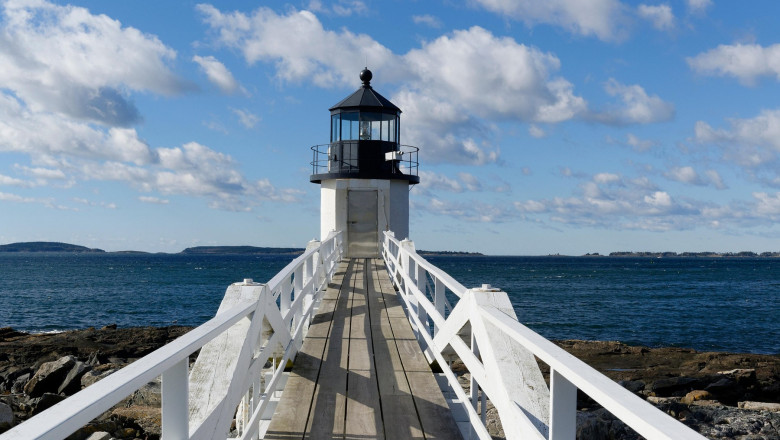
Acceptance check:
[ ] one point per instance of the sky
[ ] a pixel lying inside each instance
(544, 127)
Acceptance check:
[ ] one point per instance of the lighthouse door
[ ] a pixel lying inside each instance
(362, 229)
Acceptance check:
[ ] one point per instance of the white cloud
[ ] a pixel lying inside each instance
(153, 200)
(246, 118)
(448, 86)
(343, 8)
(299, 45)
(746, 62)
(768, 204)
(751, 142)
(13, 181)
(699, 6)
(217, 73)
(536, 131)
(638, 144)
(689, 175)
(601, 18)
(42, 173)
(638, 107)
(605, 178)
(660, 16)
(430, 181)
(427, 20)
(101, 204)
(42, 48)
(459, 80)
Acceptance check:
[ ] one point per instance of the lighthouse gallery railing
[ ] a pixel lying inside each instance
(286, 304)
(495, 355)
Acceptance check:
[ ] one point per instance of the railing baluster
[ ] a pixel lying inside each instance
(439, 301)
(563, 407)
(175, 409)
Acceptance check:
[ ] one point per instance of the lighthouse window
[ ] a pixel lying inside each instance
(334, 128)
(349, 126)
(388, 128)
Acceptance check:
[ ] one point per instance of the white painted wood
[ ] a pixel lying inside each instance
(563, 407)
(643, 417)
(508, 362)
(66, 417)
(510, 376)
(175, 414)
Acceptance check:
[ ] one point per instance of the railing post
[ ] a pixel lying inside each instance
(563, 407)
(175, 407)
(439, 300)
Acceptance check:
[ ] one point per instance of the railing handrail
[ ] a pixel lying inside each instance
(490, 320)
(66, 417)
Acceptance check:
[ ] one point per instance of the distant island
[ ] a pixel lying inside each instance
(47, 246)
(690, 254)
(239, 250)
(50, 246)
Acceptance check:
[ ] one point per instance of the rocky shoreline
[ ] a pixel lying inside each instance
(721, 395)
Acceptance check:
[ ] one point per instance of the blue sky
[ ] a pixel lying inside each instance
(558, 126)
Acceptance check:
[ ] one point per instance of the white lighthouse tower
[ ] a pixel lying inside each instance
(364, 172)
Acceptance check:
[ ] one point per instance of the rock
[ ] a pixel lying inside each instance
(602, 425)
(707, 403)
(674, 385)
(46, 401)
(635, 386)
(72, 382)
(147, 419)
(49, 376)
(148, 395)
(95, 375)
(6, 417)
(102, 435)
(661, 400)
(760, 406)
(18, 385)
(695, 395)
(125, 433)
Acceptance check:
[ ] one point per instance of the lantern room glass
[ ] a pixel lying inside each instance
(348, 126)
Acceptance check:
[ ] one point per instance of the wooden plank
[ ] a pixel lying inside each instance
(397, 403)
(364, 416)
(371, 369)
(432, 409)
(327, 413)
(291, 416)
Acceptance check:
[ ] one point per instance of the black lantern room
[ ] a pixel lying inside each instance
(364, 140)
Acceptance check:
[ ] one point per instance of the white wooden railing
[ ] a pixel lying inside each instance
(482, 331)
(274, 323)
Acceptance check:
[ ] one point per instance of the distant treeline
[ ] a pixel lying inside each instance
(45, 246)
(449, 253)
(239, 250)
(693, 254)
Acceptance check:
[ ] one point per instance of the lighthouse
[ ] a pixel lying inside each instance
(364, 172)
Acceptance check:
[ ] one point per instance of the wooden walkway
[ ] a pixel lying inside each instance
(360, 373)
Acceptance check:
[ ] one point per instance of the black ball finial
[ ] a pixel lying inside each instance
(366, 76)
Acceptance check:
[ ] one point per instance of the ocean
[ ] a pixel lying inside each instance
(718, 304)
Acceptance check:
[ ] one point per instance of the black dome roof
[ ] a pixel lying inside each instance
(366, 97)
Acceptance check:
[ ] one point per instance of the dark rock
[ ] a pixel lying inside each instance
(46, 401)
(109, 327)
(8, 332)
(95, 375)
(635, 386)
(72, 382)
(49, 376)
(18, 385)
(674, 386)
(6, 417)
